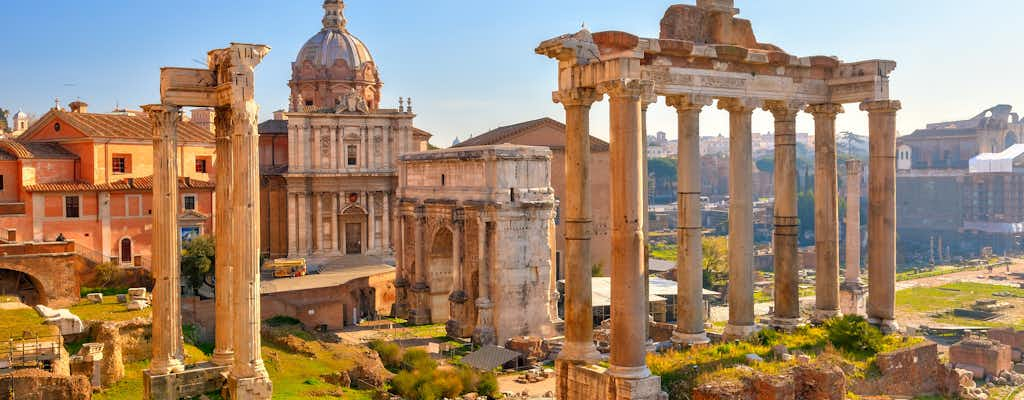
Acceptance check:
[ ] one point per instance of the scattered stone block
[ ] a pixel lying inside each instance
(752, 358)
(68, 323)
(95, 298)
(122, 298)
(136, 305)
(991, 356)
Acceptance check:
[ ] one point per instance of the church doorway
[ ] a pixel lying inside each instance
(440, 265)
(353, 238)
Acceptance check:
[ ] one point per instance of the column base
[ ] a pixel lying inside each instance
(888, 326)
(223, 358)
(690, 339)
(821, 316)
(579, 352)
(648, 388)
(740, 332)
(851, 300)
(786, 324)
(421, 317)
(484, 335)
(629, 373)
(171, 366)
(255, 388)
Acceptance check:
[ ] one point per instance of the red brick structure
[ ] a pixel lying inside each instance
(988, 355)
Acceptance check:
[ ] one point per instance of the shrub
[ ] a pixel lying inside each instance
(390, 354)
(418, 360)
(281, 320)
(488, 385)
(106, 274)
(767, 337)
(853, 333)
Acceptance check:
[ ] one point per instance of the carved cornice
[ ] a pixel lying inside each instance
(576, 97)
(826, 110)
(783, 111)
(740, 105)
(631, 89)
(689, 102)
(882, 106)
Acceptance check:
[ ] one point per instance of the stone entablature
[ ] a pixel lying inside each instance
(477, 226)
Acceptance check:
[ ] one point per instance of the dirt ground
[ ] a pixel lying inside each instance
(508, 383)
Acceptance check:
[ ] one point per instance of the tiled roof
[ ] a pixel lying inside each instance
(506, 133)
(30, 150)
(130, 184)
(274, 127)
(128, 126)
(421, 133)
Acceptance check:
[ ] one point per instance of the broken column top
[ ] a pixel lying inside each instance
(724, 6)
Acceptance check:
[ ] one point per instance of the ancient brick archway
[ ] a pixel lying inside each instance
(50, 280)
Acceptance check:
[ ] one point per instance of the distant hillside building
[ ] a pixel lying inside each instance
(961, 181)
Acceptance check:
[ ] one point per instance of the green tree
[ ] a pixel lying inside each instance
(197, 261)
(715, 262)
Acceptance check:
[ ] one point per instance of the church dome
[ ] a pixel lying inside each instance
(330, 45)
(334, 42)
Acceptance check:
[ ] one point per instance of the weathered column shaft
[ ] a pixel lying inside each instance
(578, 309)
(854, 169)
(484, 333)
(882, 212)
(628, 352)
(421, 287)
(334, 222)
(787, 224)
(826, 211)
(318, 221)
(741, 215)
(293, 233)
(689, 263)
(168, 349)
(224, 350)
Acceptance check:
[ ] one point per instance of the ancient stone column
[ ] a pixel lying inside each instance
(404, 273)
(167, 340)
(421, 289)
(628, 342)
(576, 206)
(334, 224)
(293, 216)
(787, 224)
(224, 348)
(826, 211)
(881, 308)
(741, 218)
(458, 296)
(851, 290)
(248, 378)
(318, 222)
(689, 265)
(484, 332)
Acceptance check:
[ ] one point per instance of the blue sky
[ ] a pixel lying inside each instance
(470, 66)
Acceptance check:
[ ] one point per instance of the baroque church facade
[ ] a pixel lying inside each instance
(342, 149)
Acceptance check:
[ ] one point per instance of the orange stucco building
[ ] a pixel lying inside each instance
(88, 177)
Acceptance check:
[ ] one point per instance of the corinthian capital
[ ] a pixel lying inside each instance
(827, 110)
(163, 116)
(633, 89)
(688, 102)
(739, 105)
(578, 97)
(881, 106)
(783, 110)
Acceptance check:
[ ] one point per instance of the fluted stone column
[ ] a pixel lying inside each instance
(851, 290)
(579, 318)
(224, 348)
(826, 211)
(881, 308)
(741, 219)
(404, 274)
(457, 297)
(628, 350)
(248, 378)
(168, 349)
(689, 265)
(484, 332)
(787, 224)
(421, 289)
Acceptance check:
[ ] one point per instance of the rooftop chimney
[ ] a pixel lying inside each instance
(79, 107)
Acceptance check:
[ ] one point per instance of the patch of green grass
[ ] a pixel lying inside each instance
(937, 271)
(130, 387)
(953, 295)
(108, 310)
(16, 323)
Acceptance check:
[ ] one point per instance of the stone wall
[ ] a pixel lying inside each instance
(975, 353)
(123, 342)
(909, 372)
(33, 384)
(56, 276)
(821, 380)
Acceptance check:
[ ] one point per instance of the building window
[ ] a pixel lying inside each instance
(189, 202)
(352, 155)
(121, 164)
(201, 165)
(126, 251)
(442, 179)
(72, 207)
(1, 182)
